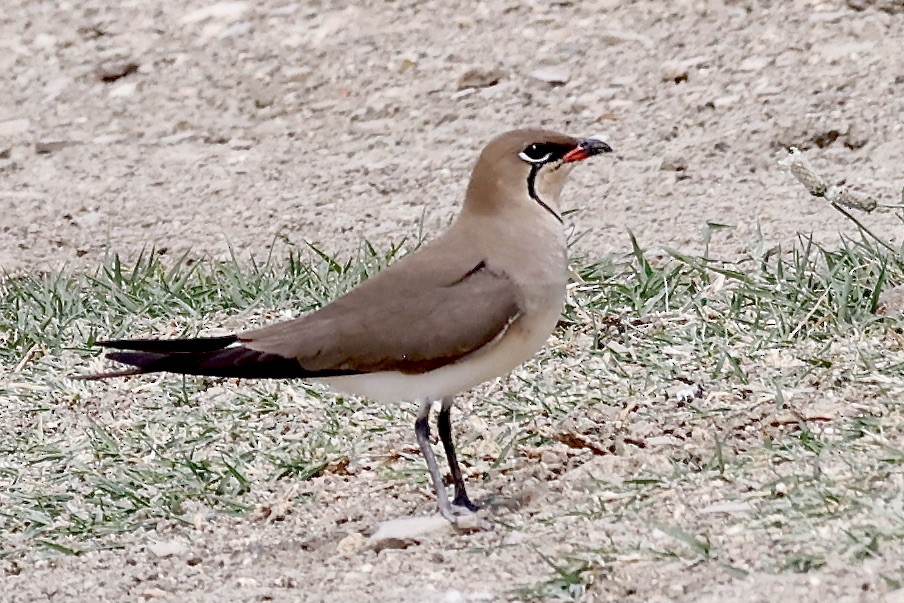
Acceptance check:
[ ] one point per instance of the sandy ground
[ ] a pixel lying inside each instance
(334, 122)
(188, 126)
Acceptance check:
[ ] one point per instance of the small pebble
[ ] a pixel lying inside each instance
(220, 10)
(552, 74)
(166, 548)
(674, 71)
(479, 77)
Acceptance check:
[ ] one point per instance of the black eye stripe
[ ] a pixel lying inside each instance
(544, 151)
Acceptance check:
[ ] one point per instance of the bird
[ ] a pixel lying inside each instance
(465, 308)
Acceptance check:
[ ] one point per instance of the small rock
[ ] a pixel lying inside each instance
(500, 90)
(220, 10)
(622, 81)
(88, 220)
(479, 77)
(673, 163)
(452, 596)
(237, 30)
(406, 62)
(838, 51)
(869, 28)
(620, 104)
(663, 440)
(404, 532)
(115, 70)
(768, 90)
(726, 101)
(108, 138)
(167, 548)
(753, 64)
(674, 71)
(12, 127)
(463, 93)
(44, 41)
(293, 73)
(686, 393)
(555, 75)
(153, 593)
(18, 153)
(55, 87)
(618, 36)
(178, 137)
(45, 147)
(263, 95)
(514, 538)
(123, 90)
(240, 144)
(351, 544)
(285, 11)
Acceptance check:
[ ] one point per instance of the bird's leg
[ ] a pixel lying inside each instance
(445, 434)
(422, 430)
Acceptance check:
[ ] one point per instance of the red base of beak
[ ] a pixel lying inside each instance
(586, 148)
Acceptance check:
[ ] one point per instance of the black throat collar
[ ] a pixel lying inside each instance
(532, 191)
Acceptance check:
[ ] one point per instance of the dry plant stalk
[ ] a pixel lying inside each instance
(817, 186)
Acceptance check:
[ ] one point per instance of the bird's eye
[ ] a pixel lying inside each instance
(535, 153)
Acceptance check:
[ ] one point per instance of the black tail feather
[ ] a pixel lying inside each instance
(171, 346)
(211, 356)
(230, 361)
(236, 361)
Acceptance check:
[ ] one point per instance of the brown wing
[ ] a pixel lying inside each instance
(401, 324)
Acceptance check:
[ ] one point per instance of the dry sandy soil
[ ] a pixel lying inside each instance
(191, 126)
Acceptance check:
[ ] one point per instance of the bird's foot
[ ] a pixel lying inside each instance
(464, 517)
(462, 501)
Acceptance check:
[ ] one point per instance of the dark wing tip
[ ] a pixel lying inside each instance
(170, 346)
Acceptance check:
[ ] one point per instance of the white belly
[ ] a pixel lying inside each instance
(519, 343)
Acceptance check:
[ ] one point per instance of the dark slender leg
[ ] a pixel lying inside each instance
(445, 434)
(422, 430)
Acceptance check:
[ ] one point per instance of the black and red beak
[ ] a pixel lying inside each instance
(586, 148)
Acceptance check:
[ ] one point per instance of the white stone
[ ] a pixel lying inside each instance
(166, 548)
(220, 10)
(12, 127)
(551, 74)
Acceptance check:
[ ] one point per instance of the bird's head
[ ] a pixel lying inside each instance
(527, 166)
